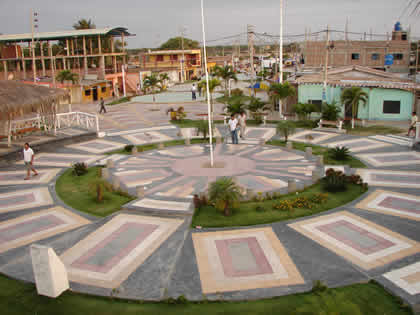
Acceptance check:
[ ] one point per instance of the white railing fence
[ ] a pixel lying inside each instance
(77, 119)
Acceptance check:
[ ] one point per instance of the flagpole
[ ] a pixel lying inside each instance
(207, 84)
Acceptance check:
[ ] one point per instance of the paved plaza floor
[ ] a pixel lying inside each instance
(148, 251)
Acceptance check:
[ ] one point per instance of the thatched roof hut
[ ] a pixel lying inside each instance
(18, 99)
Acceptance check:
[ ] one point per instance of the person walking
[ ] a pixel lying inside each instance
(199, 90)
(102, 105)
(412, 124)
(233, 124)
(28, 158)
(194, 92)
(242, 124)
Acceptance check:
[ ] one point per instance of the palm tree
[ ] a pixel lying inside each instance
(353, 97)
(163, 77)
(84, 24)
(225, 194)
(213, 83)
(226, 73)
(280, 91)
(236, 106)
(67, 75)
(152, 82)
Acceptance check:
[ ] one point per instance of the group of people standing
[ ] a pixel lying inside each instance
(237, 123)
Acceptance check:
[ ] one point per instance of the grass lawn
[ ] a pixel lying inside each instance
(154, 146)
(18, 298)
(120, 101)
(318, 150)
(247, 213)
(75, 192)
(374, 130)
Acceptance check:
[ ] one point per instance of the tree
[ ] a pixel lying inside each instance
(213, 83)
(225, 73)
(225, 194)
(256, 107)
(330, 111)
(176, 43)
(279, 91)
(152, 82)
(163, 77)
(235, 105)
(286, 128)
(67, 75)
(353, 97)
(84, 24)
(203, 128)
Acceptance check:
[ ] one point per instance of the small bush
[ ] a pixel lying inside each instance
(128, 148)
(319, 286)
(200, 201)
(334, 181)
(236, 92)
(80, 169)
(339, 153)
(330, 112)
(259, 209)
(286, 128)
(304, 110)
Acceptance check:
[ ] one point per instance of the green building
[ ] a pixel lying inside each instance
(390, 97)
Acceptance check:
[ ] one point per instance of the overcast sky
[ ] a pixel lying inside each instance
(155, 21)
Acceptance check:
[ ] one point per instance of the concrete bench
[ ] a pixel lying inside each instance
(338, 123)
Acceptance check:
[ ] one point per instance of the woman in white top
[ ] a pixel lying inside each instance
(233, 123)
(28, 157)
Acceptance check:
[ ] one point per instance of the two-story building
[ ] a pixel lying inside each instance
(179, 64)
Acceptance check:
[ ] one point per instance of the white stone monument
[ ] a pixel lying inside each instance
(50, 273)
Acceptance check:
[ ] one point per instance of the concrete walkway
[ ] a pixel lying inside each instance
(148, 251)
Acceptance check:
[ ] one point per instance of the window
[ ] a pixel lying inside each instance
(403, 36)
(174, 57)
(375, 56)
(398, 56)
(159, 58)
(103, 89)
(355, 56)
(315, 102)
(87, 92)
(392, 107)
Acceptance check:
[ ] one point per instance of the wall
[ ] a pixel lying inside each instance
(104, 94)
(374, 107)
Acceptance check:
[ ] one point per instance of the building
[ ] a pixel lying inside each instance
(85, 51)
(170, 61)
(362, 52)
(390, 97)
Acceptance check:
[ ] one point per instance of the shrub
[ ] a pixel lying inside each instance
(259, 209)
(334, 181)
(339, 153)
(200, 201)
(330, 112)
(128, 148)
(224, 194)
(310, 124)
(319, 286)
(236, 92)
(203, 128)
(286, 128)
(304, 110)
(79, 169)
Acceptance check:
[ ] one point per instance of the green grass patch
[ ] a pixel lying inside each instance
(373, 130)
(318, 150)
(120, 101)
(75, 192)
(18, 298)
(248, 214)
(154, 146)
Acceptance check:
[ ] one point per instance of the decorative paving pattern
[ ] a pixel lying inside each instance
(141, 177)
(357, 145)
(97, 146)
(407, 278)
(360, 241)
(404, 141)
(191, 133)
(390, 178)
(40, 225)
(17, 177)
(109, 255)
(242, 260)
(162, 204)
(392, 203)
(311, 136)
(62, 160)
(143, 130)
(182, 152)
(24, 199)
(391, 158)
(147, 137)
(276, 155)
(114, 157)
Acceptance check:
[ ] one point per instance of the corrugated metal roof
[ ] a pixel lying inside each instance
(115, 31)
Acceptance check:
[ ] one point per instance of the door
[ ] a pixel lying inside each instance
(95, 93)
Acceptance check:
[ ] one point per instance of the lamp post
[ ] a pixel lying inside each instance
(281, 56)
(207, 85)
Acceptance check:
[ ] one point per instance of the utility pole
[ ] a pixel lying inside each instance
(33, 15)
(250, 31)
(281, 56)
(183, 56)
(346, 31)
(327, 48)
